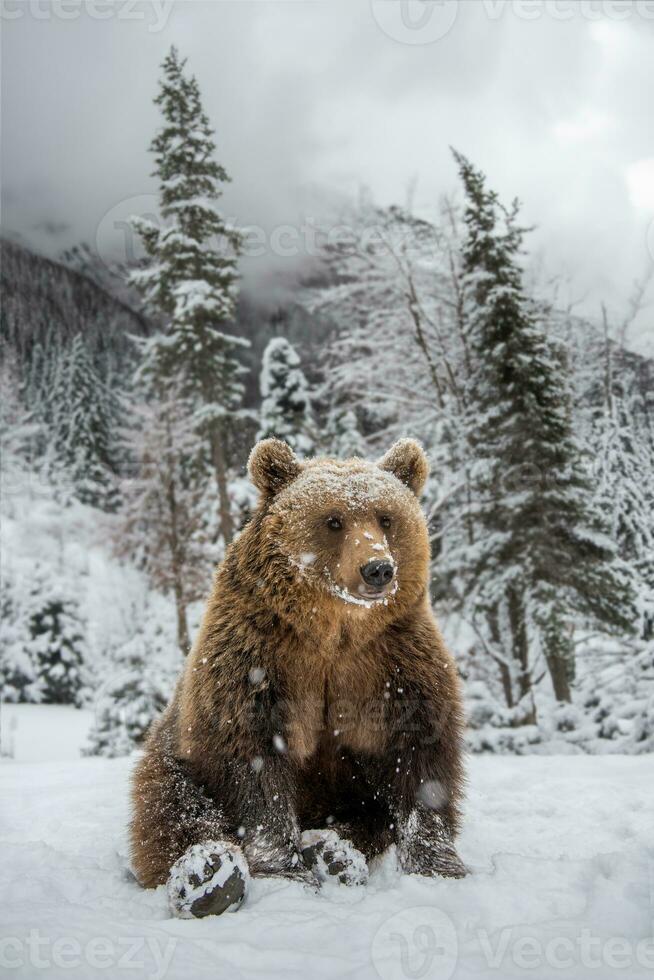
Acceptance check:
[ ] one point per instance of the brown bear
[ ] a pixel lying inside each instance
(318, 719)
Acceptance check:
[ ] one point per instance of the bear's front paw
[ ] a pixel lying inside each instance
(441, 860)
(329, 856)
(209, 879)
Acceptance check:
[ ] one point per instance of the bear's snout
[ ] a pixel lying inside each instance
(377, 574)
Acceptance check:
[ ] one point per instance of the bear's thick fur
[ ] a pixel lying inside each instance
(312, 699)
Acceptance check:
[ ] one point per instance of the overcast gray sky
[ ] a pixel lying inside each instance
(553, 100)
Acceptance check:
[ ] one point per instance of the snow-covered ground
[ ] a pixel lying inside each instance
(560, 848)
(43, 732)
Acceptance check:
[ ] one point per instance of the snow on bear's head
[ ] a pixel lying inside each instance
(350, 531)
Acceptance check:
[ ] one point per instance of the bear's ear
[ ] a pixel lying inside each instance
(272, 464)
(407, 461)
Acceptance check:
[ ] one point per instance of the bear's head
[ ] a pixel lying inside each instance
(348, 533)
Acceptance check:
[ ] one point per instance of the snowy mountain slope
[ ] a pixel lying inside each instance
(45, 302)
(560, 853)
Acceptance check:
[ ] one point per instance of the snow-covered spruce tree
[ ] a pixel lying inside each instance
(53, 640)
(190, 282)
(18, 678)
(135, 693)
(18, 424)
(617, 694)
(641, 737)
(22, 436)
(83, 415)
(285, 400)
(540, 559)
(624, 471)
(163, 524)
(342, 436)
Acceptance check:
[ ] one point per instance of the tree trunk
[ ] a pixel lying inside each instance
(176, 559)
(422, 342)
(220, 469)
(559, 674)
(505, 674)
(559, 656)
(520, 644)
(183, 639)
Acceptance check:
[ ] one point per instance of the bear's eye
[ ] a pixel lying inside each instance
(385, 521)
(334, 523)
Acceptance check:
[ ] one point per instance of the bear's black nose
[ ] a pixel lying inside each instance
(377, 573)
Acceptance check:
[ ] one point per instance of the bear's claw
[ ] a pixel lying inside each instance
(329, 856)
(209, 879)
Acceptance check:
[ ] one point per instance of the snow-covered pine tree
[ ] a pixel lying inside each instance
(133, 696)
(285, 400)
(53, 640)
(83, 415)
(191, 280)
(539, 559)
(163, 524)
